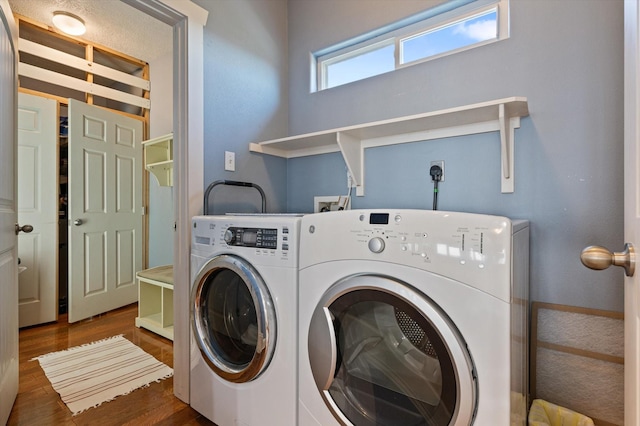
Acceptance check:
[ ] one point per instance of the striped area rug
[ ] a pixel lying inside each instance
(88, 375)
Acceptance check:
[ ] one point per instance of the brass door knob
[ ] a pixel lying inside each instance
(24, 228)
(596, 257)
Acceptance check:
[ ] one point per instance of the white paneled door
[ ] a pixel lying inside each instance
(632, 209)
(8, 216)
(628, 257)
(38, 207)
(105, 209)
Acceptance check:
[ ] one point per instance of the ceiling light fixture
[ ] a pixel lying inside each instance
(68, 23)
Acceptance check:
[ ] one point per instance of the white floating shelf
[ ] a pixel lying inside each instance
(502, 115)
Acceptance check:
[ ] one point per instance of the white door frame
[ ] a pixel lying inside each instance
(188, 21)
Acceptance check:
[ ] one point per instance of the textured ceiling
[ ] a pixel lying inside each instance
(110, 23)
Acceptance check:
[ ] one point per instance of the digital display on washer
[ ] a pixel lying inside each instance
(379, 219)
(254, 237)
(249, 237)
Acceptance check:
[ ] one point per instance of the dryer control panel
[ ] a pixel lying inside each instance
(467, 247)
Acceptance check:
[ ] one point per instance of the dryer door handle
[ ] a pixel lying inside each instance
(322, 349)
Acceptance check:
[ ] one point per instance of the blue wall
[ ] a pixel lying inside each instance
(246, 97)
(566, 57)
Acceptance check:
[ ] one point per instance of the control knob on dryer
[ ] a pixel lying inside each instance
(376, 245)
(229, 236)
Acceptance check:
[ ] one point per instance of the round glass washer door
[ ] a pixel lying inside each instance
(233, 318)
(382, 353)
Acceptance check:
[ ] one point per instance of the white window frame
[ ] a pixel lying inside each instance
(340, 56)
(401, 31)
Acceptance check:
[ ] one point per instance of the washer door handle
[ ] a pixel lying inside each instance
(322, 348)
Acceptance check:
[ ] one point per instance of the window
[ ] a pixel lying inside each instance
(359, 64)
(465, 24)
(451, 37)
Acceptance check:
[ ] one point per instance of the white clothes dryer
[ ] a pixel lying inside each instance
(243, 319)
(410, 317)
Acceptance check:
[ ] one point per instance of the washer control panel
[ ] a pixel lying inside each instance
(265, 239)
(252, 237)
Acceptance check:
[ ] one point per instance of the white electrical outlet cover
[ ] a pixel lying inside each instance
(230, 161)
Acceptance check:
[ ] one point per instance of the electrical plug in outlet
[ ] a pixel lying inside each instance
(439, 163)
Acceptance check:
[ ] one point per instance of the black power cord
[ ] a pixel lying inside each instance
(436, 176)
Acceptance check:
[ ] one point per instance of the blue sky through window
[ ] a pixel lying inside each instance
(451, 37)
(354, 66)
(362, 66)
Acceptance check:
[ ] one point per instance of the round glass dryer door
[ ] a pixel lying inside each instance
(383, 353)
(233, 318)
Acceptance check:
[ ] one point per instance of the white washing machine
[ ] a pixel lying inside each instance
(243, 319)
(410, 317)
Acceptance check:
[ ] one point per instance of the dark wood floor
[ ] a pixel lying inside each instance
(39, 404)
